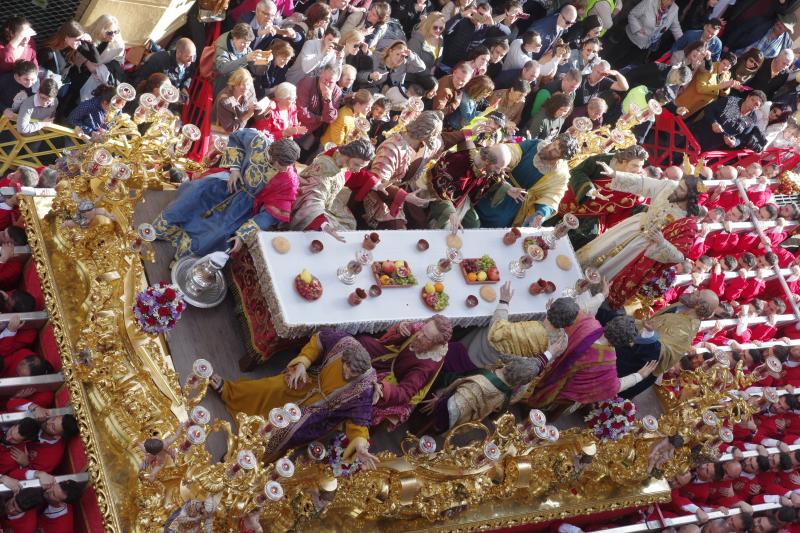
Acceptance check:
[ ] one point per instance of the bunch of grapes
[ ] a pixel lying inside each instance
(485, 263)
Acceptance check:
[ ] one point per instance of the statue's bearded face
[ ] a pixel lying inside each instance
(426, 338)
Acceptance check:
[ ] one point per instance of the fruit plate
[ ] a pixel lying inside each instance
(476, 265)
(393, 274)
(537, 240)
(436, 301)
(308, 291)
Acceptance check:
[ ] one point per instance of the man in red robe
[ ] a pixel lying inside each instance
(25, 363)
(21, 511)
(58, 516)
(45, 453)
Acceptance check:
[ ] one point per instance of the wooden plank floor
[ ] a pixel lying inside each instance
(216, 335)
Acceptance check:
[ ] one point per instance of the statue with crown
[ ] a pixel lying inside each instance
(642, 246)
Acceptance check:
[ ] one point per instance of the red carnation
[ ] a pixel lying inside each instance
(171, 323)
(164, 312)
(616, 425)
(616, 411)
(162, 284)
(628, 406)
(151, 321)
(603, 417)
(161, 300)
(179, 308)
(170, 293)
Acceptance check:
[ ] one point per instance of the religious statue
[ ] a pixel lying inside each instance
(332, 382)
(539, 168)
(408, 359)
(590, 198)
(383, 207)
(630, 249)
(322, 199)
(194, 516)
(157, 454)
(587, 371)
(254, 190)
(85, 215)
(473, 398)
(539, 340)
(459, 180)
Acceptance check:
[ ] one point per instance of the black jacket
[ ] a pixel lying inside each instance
(166, 63)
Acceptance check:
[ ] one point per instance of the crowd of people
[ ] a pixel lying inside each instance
(346, 114)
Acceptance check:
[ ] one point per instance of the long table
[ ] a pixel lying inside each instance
(293, 317)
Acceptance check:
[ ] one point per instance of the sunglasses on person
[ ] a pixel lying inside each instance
(112, 33)
(438, 28)
(567, 22)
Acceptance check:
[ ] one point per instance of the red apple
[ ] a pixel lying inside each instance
(493, 274)
(388, 267)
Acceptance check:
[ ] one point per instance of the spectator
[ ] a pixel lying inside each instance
(110, 46)
(40, 107)
(522, 50)
(316, 53)
(235, 105)
(24, 177)
(598, 82)
(511, 101)
(707, 36)
(594, 111)
(16, 86)
(151, 85)
(426, 40)
(285, 8)
(583, 58)
(90, 115)
(466, 32)
(647, 23)
(411, 14)
(529, 73)
(774, 122)
(281, 121)
(456, 8)
(773, 74)
(57, 57)
(389, 68)
(233, 52)
(497, 53)
(317, 17)
(16, 43)
(505, 25)
(379, 120)
(553, 59)
(451, 89)
(371, 23)
(178, 65)
(345, 129)
(590, 27)
(475, 92)
(318, 100)
(263, 22)
(727, 122)
(275, 74)
(553, 27)
(347, 78)
(424, 86)
(748, 65)
(763, 33)
(707, 86)
(478, 58)
(547, 123)
(605, 10)
(568, 84)
(695, 56)
(700, 12)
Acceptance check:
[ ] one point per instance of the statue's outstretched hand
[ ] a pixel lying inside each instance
(606, 170)
(368, 460)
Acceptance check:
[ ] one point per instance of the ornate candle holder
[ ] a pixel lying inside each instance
(490, 453)
(201, 371)
(316, 451)
(568, 222)
(194, 435)
(245, 461)
(278, 419)
(293, 412)
(200, 415)
(427, 445)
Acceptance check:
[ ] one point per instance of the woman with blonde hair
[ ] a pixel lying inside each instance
(426, 40)
(389, 68)
(475, 92)
(345, 128)
(107, 70)
(235, 105)
(281, 121)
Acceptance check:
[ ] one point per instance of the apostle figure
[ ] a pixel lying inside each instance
(539, 168)
(322, 198)
(589, 197)
(538, 340)
(460, 179)
(631, 249)
(473, 398)
(332, 382)
(254, 190)
(408, 359)
(383, 208)
(588, 375)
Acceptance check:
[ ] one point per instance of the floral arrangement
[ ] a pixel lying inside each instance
(788, 183)
(336, 457)
(158, 308)
(657, 287)
(612, 419)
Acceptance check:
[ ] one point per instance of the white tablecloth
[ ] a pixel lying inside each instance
(294, 317)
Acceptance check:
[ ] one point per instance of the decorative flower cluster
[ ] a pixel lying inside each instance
(612, 419)
(158, 308)
(657, 287)
(336, 457)
(788, 183)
